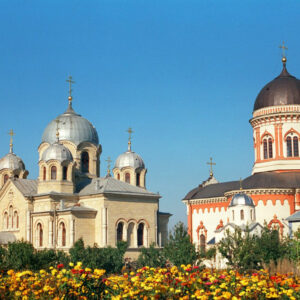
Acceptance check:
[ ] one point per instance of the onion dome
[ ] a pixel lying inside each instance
(73, 128)
(241, 199)
(11, 160)
(283, 90)
(58, 152)
(129, 159)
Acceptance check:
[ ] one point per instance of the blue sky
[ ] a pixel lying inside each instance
(184, 74)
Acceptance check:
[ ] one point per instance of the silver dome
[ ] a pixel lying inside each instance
(241, 199)
(58, 152)
(129, 159)
(72, 127)
(11, 161)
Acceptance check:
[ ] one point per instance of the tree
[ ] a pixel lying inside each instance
(179, 248)
(151, 257)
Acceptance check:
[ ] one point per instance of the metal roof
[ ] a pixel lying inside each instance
(58, 152)
(27, 187)
(294, 217)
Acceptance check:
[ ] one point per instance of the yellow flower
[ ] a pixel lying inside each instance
(71, 264)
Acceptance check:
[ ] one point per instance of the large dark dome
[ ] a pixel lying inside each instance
(283, 90)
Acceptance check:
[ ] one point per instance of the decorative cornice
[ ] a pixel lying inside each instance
(262, 191)
(208, 200)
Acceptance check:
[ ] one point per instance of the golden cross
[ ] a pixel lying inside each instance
(11, 133)
(70, 85)
(130, 131)
(211, 168)
(241, 187)
(283, 48)
(108, 160)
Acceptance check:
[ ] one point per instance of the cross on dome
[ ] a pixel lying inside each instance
(70, 87)
(211, 163)
(11, 133)
(130, 131)
(109, 161)
(283, 48)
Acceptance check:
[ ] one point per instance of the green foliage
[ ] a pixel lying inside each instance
(151, 257)
(20, 255)
(209, 253)
(244, 251)
(109, 258)
(294, 248)
(179, 248)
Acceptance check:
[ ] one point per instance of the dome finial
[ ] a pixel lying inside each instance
(283, 48)
(241, 187)
(108, 160)
(130, 131)
(11, 133)
(57, 130)
(211, 163)
(70, 98)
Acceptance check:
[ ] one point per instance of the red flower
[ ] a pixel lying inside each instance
(60, 266)
(188, 269)
(81, 271)
(74, 271)
(196, 267)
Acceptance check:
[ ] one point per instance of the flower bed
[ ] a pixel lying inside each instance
(186, 282)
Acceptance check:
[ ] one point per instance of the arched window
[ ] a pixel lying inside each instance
(53, 173)
(140, 234)
(118, 176)
(65, 172)
(127, 177)
(44, 173)
(11, 220)
(39, 235)
(233, 215)
(84, 162)
(6, 220)
(5, 178)
(62, 228)
(242, 214)
(16, 219)
(138, 179)
(202, 243)
(120, 232)
(292, 146)
(268, 148)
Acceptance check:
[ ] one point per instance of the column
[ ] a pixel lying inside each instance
(72, 232)
(50, 242)
(104, 226)
(28, 229)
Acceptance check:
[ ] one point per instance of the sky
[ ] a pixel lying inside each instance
(183, 74)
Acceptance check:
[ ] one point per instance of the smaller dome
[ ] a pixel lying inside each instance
(129, 159)
(11, 161)
(241, 199)
(58, 152)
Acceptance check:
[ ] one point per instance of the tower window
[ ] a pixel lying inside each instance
(65, 171)
(62, 234)
(202, 243)
(5, 178)
(138, 179)
(44, 173)
(268, 148)
(39, 235)
(118, 176)
(127, 177)
(84, 162)
(292, 146)
(53, 173)
(242, 214)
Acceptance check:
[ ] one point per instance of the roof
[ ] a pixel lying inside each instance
(263, 180)
(283, 90)
(113, 186)
(294, 217)
(27, 187)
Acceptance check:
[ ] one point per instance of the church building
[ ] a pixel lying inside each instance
(271, 194)
(69, 200)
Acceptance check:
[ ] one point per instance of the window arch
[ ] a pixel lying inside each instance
(85, 162)
(138, 176)
(63, 237)
(65, 173)
(202, 243)
(118, 176)
(44, 173)
(39, 232)
(140, 234)
(53, 173)
(268, 147)
(11, 220)
(5, 178)
(6, 220)
(242, 214)
(120, 230)
(292, 146)
(16, 219)
(127, 177)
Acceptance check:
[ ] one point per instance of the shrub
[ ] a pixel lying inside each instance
(151, 257)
